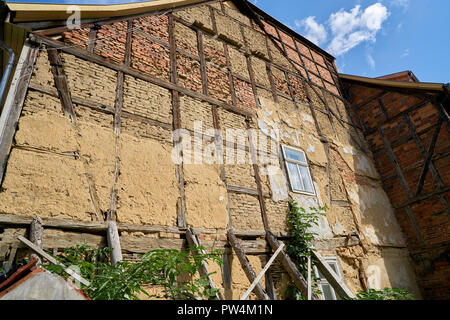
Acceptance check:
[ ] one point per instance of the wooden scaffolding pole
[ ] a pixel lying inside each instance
(251, 275)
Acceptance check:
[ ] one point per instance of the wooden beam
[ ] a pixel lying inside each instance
(290, 267)
(253, 156)
(195, 242)
(114, 242)
(36, 231)
(61, 83)
(92, 38)
(14, 103)
(436, 176)
(404, 185)
(261, 274)
(251, 275)
(398, 115)
(383, 109)
(428, 158)
(53, 260)
(333, 279)
(83, 54)
(422, 197)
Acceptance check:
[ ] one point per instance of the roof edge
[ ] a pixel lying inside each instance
(427, 86)
(28, 12)
(281, 25)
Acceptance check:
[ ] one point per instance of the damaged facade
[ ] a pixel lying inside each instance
(102, 110)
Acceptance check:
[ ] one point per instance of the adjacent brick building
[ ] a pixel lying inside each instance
(102, 111)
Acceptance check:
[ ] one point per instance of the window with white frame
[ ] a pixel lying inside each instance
(298, 170)
(327, 290)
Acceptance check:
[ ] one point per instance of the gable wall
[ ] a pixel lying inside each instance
(208, 63)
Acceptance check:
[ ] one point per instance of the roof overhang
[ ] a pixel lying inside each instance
(426, 86)
(26, 12)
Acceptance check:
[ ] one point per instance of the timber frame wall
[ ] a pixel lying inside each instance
(296, 70)
(409, 135)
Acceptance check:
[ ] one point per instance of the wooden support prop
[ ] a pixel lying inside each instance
(333, 279)
(41, 252)
(194, 241)
(251, 275)
(290, 267)
(261, 274)
(114, 242)
(36, 233)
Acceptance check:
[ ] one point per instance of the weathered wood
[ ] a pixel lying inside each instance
(195, 242)
(434, 172)
(36, 231)
(383, 109)
(253, 155)
(53, 260)
(333, 279)
(404, 185)
(422, 197)
(7, 265)
(83, 54)
(61, 83)
(202, 62)
(94, 196)
(114, 242)
(428, 158)
(92, 38)
(259, 290)
(270, 286)
(290, 267)
(244, 190)
(100, 107)
(263, 271)
(14, 103)
(399, 115)
(13, 221)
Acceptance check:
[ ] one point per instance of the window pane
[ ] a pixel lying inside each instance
(294, 155)
(333, 266)
(306, 179)
(327, 292)
(294, 177)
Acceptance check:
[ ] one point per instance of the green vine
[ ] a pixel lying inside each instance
(299, 246)
(125, 280)
(384, 294)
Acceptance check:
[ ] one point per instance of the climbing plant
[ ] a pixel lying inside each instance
(384, 294)
(176, 272)
(300, 224)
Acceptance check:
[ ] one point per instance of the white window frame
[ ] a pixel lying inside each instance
(298, 163)
(322, 281)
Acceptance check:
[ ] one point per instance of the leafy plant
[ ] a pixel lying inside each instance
(125, 280)
(299, 246)
(2, 272)
(384, 294)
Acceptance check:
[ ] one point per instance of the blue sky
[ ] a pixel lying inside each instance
(368, 37)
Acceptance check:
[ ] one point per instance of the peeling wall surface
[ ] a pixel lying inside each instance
(228, 71)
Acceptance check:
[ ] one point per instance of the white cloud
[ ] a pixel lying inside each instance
(405, 54)
(315, 32)
(349, 29)
(370, 61)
